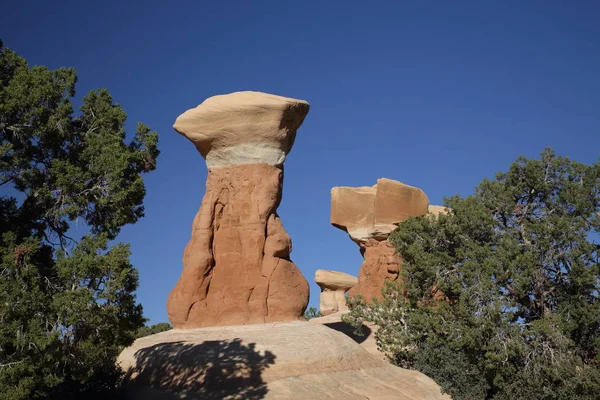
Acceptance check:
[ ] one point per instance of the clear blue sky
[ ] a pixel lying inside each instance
(434, 94)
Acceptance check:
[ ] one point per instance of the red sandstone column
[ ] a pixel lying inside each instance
(236, 266)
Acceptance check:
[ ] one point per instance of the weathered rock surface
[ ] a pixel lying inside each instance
(437, 210)
(366, 340)
(382, 263)
(369, 215)
(294, 360)
(237, 267)
(333, 286)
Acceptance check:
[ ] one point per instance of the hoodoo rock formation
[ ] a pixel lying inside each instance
(334, 286)
(369, 215)
(236, 267)
(237, 307)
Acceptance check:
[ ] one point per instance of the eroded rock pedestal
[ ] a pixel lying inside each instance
(236, 267)
(334, 286)
(369, 215)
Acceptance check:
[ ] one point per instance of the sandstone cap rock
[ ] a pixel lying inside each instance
(396, 202)
(334, 280)
(243, 127)
(374, 212)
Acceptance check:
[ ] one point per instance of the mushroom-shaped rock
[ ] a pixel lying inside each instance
(369, 215)
(333, 286)
(236, 266)
(243, 128)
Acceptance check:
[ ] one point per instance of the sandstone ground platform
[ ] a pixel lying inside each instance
(291, 360)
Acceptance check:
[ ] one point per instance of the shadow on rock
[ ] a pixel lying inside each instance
(219, 369)
(350, 331)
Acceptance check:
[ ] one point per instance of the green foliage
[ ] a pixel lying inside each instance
(154, 329)
(519, 271)
(67, 307)
(312, 313)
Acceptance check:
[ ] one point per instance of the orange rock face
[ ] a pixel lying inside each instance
(382, 263)
(236, 267)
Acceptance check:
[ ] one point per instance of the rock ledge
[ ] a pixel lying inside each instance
(293, 360)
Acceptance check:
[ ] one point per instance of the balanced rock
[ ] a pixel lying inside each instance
(236, 266)
(369, 215)
(334, 286)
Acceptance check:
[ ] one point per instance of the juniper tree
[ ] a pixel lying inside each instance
(518, 265)
(67, 304)
(154, 329)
